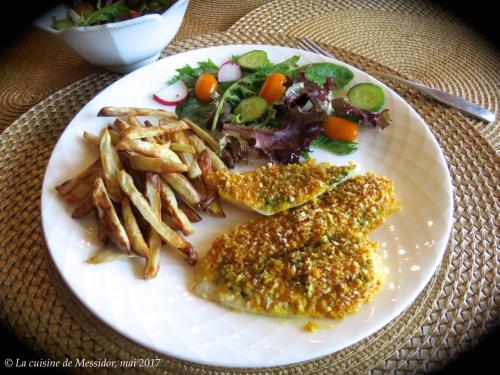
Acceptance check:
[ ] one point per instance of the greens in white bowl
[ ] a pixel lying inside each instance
(120, 46)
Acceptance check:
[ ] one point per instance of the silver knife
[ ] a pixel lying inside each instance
(446, 98)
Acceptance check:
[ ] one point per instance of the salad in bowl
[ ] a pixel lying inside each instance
(120, 36)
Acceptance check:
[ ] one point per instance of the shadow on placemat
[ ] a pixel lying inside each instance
(22, 357)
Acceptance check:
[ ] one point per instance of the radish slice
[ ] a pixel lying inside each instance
(229, 71)
(174, 94)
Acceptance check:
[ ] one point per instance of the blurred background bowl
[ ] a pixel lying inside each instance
(123, 46)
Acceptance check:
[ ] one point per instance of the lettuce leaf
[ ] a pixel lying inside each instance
(343, 108)
(113, 12)
(337, 147)
(196, 111)
(320, 72)
(189, 75)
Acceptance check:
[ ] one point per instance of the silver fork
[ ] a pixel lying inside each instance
(441, 96)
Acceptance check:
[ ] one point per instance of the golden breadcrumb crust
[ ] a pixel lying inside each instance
(314, 260)
(276, 187)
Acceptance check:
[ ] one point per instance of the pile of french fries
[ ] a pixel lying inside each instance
(147, 185)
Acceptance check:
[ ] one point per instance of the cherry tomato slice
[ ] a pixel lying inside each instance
(205, 86)
(273, 88)
(340, 129)
(134, 13)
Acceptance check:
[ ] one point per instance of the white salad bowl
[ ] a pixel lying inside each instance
(123, 46)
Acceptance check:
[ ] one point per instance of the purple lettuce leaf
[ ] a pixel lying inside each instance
(343, 108)
(304, 93)
(284, 144)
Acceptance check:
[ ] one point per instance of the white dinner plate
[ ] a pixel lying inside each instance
(163, 315)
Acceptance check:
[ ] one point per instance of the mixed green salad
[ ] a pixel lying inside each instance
(97, 12)
(276, 110)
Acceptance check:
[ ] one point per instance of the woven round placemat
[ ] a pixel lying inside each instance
(458, 305)
(416, 38)
(212, 16)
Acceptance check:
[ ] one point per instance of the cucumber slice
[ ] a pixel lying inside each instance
(253, 59)
(251, 108)
(367, 96)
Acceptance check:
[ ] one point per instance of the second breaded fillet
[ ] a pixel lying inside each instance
(314, 260)
(276, 187)
(328, 279)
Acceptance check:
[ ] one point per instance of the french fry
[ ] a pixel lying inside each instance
(158, 139)
(154, 131)
(163, 142)
(170, 203)
(188, 159)
(203, 135)
(80, 193)
(111, 164)
(169, 236)
(157, 165)
(94, 139)
(161, 139)
(181, 185)
(115, 136)
(154, 239)
(200, 146)
(121, 125)
(91, 138)
(180, 147)
(107, 216)
(169, 220)
(102, 236)
(134, 121)
(85, 207)
(206, 168)
(199, 186)
(155, 150)
(108, 255)
(134, 111)
(212, 202)
(89, 173)
(189, 211)
(138, 176)
(137, 243)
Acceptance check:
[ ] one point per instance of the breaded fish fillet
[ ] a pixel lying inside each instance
(314, 260)
(276, 187)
